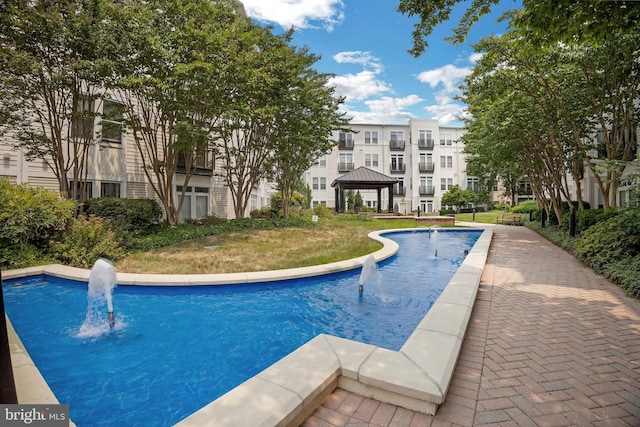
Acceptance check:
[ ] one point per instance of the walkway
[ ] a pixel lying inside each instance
(550, 343)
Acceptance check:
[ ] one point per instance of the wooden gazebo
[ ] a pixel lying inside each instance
(363, 178)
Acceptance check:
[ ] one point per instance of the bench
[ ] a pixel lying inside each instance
(510, 218)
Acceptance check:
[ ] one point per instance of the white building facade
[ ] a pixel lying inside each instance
(424, 157)
(115, 169)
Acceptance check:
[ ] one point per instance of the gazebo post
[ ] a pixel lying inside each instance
(337, 199)
(379, 200)
(391, 198)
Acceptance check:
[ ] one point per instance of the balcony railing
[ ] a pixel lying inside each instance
(427, 190)
(396, 145)
(345, 167)
(345, 144)
(425, 144)
(201, 164)
(399, 190)
(426, 166)
(398, 168)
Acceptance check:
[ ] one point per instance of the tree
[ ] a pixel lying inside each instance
(170, 77)
(357, 202)
(458, 197)
(308, 114)
(547, 20)
(50, 75)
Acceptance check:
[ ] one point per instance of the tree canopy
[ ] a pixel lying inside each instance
(546, 20)
(549, 111)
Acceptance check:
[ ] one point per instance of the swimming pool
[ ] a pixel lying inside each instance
(111, 380)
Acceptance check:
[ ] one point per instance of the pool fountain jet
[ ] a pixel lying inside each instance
(102, 281)
(435, 237)
(369, 271)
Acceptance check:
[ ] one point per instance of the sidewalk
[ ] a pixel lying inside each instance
(550, 343)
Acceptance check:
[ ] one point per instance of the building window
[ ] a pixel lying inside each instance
(396, 136)
(110, 189)
(196, 202)
(345, 141)
(82, 123)
(322, 161)
(112, 122)
(446, 161)
(371, 160)
(446, 183)
(88, 189)
(445, 139)
(371, 137)
(397, 163)
(426, 205)
(473, 184)
(319, 183)
(425, 136)
(345, 162)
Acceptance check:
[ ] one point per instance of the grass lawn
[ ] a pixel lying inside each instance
(332, 239)
(485, 217)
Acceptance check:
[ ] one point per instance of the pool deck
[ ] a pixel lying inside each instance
(550, 343)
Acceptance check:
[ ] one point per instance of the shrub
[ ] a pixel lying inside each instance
(610, 241)
(264, 213)
(444, 212)
(32, 215)
(85, 242)
(22, 255)
(131, 215)
(206, 220)
(626, 272)
(323, 211)
(585, 219)
(565, 210)
(525, 207)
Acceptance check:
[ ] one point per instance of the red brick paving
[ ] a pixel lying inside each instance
(550, 343)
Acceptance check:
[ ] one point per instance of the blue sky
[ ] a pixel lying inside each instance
(364, 44)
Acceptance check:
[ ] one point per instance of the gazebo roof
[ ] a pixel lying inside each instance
(364, 178)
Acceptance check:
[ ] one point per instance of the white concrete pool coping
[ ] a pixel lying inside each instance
(417, 377)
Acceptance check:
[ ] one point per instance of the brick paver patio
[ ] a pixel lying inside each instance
(550, 343)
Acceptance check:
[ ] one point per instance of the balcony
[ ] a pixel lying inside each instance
(425, 144)
(345, 144)
(395, 145)
(345, 167)
(399, 190)
(201, 164)
(426, 167)
(398, 168)
(427, 190)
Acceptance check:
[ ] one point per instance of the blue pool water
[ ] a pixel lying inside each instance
(176, 349)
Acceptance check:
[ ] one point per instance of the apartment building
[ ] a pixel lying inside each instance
(115, 170)
(424, 157)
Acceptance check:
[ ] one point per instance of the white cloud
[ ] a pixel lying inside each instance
(355, 57)
(297, 13)
(447, 112)
(449, 76)
(475, 57)
(361, 85)
(384, 110)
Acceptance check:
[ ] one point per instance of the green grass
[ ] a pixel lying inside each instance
(332, 239)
